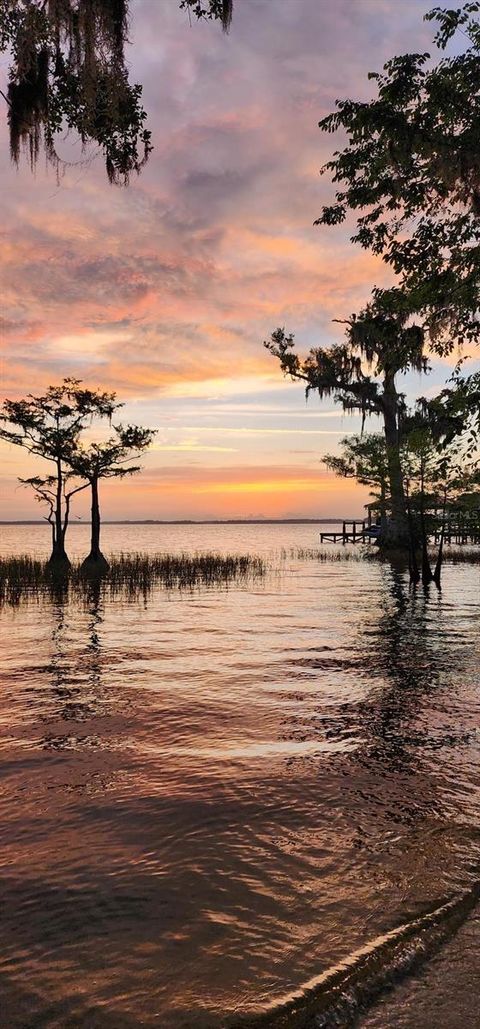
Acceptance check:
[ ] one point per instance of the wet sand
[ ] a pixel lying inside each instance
(443, 994)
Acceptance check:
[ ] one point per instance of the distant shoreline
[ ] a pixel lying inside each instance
(202, 521)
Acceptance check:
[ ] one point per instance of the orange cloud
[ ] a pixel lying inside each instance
(165, 291)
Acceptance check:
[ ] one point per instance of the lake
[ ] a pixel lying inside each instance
(212, 797)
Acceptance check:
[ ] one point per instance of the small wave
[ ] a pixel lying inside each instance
(337, 996)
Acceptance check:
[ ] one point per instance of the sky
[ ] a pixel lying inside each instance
(164, 291)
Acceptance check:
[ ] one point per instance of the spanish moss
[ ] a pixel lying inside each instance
(68, 73)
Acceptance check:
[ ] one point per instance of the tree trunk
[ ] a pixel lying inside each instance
(426, 570)
(51, 522)
(397, 534)
(412, 555)
(95, 562)
(437, 575)
(58, 560)
(383, 508)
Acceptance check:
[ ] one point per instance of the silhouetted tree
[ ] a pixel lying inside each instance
(422, 480)
(454, 415)
(49, 426)
(219, 10)
(45, 492)
(410, 171)
(107, 460)
(435, 478)
(361, 375)
(364, 458)
(68, 72)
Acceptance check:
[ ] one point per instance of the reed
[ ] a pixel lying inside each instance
(462, 555)
(451, 555)
(133, 575)
(328, 556)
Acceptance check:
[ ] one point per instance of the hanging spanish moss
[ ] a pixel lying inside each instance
(68, 73)
(28, 106)
(227, 14)
(213, 10)
(361, 374)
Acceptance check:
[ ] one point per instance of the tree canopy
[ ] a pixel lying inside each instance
(410, 174)
(219, 10)
(381, 341)
(363, 458)
(110, 459)
(68, 73)
(50, 426)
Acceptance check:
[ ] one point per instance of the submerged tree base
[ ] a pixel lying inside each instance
(394, 541)
(59, 564)
(95, 565)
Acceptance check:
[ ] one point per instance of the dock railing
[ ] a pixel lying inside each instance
(353, 531)
(460, 528)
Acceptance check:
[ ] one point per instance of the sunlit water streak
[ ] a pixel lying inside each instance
(211, 799)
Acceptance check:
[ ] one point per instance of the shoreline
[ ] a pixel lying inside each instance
(191, 521)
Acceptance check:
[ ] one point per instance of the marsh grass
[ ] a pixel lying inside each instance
(326, 556)
(134, 576)
(451, 555)
(130, 575)
(462, 555)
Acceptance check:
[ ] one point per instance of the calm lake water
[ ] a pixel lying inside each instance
(209, 799)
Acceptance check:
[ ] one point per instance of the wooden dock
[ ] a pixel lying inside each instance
(460, 529)
(358, 531)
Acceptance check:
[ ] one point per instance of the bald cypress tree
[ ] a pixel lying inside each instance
(361, 375)
(111, 459)
(49, 426)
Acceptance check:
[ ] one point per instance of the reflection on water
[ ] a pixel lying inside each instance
(76, 697)
(208, 800)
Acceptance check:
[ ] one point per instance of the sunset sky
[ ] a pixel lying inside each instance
(165, 291)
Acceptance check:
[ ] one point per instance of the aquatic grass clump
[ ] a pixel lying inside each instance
(141, 571)
(131, 575)
(329, 556)
(462, 555)
(451, 555)
(20, 575)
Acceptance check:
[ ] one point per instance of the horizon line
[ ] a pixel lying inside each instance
(191, 521)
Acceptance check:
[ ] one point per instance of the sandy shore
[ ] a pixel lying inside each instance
(444, 994)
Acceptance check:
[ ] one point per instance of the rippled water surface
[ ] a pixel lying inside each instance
(210, 798)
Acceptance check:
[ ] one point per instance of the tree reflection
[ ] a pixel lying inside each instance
(409, 661)
(76, 684)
